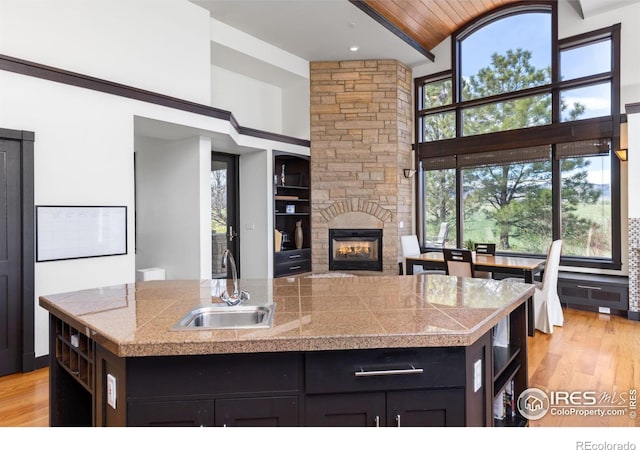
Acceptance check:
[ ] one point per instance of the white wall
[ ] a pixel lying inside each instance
(138, 43)
(169, 203)
(255, 104)
(256, 221)
(296, 109)
(264, 86)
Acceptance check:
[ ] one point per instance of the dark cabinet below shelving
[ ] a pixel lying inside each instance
(291, 211)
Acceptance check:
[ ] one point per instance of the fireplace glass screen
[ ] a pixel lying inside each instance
(355, 249)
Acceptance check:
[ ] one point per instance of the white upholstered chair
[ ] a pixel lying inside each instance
(439, 241)
(547, 311)
(411, 247)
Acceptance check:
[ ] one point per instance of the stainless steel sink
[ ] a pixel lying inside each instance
(226, 317)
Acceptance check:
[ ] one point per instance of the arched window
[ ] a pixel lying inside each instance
(515, 141)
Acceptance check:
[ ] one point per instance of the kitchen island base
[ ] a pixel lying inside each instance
(426, 386)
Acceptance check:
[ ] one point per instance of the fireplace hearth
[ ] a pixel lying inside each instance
(355, 249)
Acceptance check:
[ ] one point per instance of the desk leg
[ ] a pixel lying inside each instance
(528, 278)
(408, 267)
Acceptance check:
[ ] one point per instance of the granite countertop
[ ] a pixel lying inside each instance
(311, 313)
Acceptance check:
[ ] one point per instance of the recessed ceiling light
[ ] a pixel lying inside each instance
(354, 48)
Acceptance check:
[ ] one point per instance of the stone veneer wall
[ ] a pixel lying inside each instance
(634, 264)
(361, 135)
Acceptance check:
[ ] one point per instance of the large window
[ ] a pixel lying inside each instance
(517, 151)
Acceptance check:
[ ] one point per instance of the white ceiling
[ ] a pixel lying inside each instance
(314, 30)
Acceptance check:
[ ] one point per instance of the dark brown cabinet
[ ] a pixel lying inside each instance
(292, 214)
(257, 412)
(422, 408)
(245, 412)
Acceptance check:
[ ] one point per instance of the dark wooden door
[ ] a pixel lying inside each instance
(172, 413)
(429, 408)
(257, 412)
(346, 410)
(10, 257)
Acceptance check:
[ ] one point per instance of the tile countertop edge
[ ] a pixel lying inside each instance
(287, 343)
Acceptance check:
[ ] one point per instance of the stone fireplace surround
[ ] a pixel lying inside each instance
(361, 137)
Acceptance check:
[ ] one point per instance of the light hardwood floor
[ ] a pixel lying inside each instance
(594, 352)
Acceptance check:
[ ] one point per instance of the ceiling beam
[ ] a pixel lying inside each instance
(378, 17)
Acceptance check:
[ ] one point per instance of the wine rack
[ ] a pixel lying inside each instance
(75, 353)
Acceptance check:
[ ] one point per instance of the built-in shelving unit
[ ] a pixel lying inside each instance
(75, 354)
(510, 367)
(292, 204)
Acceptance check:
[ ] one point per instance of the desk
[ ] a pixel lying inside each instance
(512, 265)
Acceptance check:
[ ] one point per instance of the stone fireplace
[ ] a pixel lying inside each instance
(361, 135)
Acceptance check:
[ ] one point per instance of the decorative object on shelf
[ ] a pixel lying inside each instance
(291, 209)
(282, 176)
(277, 240)
(298, 236)
(285, 240)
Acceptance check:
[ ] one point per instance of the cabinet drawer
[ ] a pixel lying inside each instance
(384, 369)
(293, 267)
(291, 256)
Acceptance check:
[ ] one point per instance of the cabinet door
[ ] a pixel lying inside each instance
(435, 408)
(346, 410)
(190, 413)
(257, 412)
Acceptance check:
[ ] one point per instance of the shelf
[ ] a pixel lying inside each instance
(502, 357)
(302, 188)
(291, 199)
(74, 353)
(279, 214)
(515, 421)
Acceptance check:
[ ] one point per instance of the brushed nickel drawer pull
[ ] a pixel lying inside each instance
(295, 256)
(295, 267)
(378, 373)
(593, 288)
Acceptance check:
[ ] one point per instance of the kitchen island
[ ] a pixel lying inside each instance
(370, 351)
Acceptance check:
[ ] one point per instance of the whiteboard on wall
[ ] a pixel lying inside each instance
(71, 232)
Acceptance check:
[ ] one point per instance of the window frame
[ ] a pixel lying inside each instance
(554, 133)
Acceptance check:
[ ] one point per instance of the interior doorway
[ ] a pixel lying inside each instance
(224, 212)
(16, 252)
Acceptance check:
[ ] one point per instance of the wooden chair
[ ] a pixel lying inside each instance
(459, 262)
(484, 249)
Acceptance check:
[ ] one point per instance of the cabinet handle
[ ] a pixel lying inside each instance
(294, 267)
(378, 373)
(295, 256)
(398, 420)
(593, 288)
(377, 421)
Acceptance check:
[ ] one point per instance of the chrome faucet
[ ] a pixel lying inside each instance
(236, 296)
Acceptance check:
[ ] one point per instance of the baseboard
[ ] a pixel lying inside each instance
(41, 362)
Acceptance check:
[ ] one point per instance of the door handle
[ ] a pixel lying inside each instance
(377, 421)
(231, 234)
(398, 420)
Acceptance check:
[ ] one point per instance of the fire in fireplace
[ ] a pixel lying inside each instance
(355, 249)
